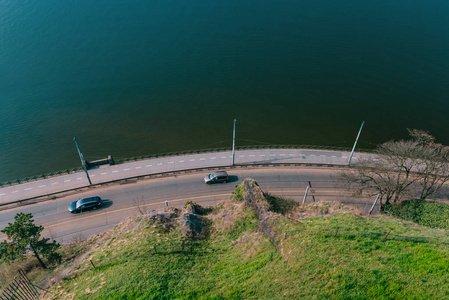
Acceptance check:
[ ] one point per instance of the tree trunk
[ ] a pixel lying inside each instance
(39, 259)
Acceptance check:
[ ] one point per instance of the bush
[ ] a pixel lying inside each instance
(425, 213)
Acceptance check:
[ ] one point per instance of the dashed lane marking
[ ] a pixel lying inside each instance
(68, 180)
(115, 171)
(160, 164)
(312, 155)
(14, 192)
(103, 173)
(182, 161)
(262, 155)
(41, 186)
(223, 157)
(53, 183)
(252, 155)
(138, 167)
(171, 162)
(281, 154)
(79, 178)
(272, 154)
(126, 169)
(291, 155)
(27, 189)
(148, 166)
(322, 155)
(191, 159)
(213, 158)
(202, 159)
(242, 156)
(2, 194)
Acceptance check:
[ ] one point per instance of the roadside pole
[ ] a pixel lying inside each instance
(374, 204)
(353, 148)
(305, 195)
(233, 144)
(83, 162)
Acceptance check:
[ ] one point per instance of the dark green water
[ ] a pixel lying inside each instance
(131, 78)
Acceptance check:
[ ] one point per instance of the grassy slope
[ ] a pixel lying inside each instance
(310, 259)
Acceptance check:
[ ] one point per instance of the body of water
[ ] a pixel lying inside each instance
(136, 77)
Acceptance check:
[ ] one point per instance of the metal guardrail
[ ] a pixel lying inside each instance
(186, 152)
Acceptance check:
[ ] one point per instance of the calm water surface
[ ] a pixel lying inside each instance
(137, 77)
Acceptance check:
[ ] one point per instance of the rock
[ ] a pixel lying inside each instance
(192, 225)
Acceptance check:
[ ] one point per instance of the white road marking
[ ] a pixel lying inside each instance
(92, 175)
(272, 154)
(126, 169)
(223, 157)
(191, 159)
(171, 162)
(14, 192)
(202, 159)
(333, 156)
(160, 164)
(27, 189)
(291, 155)
(41, 186)
(323, 155)
(344, 157)
(103, 173)
(79, 178)
(262, 155)
(138, 167)
(312, 155)
(213, 158)
(148, 166)
(181, 160)
(242, 156)
(68, 180)
(252, 155)
(115, 171)
(53, 183)
(2, 194)
(281, 154)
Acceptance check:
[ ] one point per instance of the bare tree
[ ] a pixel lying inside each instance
(415, 168)
(139, 204)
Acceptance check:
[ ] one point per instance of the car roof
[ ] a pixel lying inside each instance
(220, 173)
(87, 200)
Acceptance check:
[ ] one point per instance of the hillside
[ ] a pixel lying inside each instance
(257, 246)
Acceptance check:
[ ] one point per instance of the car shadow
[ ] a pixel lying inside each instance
(106, 203)
(233, 178)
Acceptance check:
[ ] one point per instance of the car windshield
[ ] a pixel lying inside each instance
(211, 176)
(78, 203)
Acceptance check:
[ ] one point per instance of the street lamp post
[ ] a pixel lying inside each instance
(353, 148)
(83, 162)
(233, 145)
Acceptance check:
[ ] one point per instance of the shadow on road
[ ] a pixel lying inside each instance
(233, 178)
(106, 203)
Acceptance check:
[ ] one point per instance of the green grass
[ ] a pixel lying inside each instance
(342, 256)
(431, 214)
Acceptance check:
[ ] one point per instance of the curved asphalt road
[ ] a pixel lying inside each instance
(122, 201)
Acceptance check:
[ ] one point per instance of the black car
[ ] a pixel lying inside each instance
(85, 204)
(216, 177)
